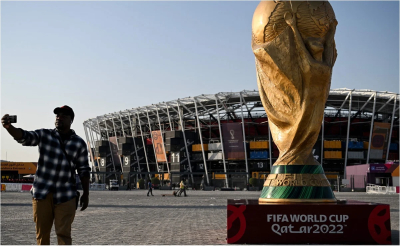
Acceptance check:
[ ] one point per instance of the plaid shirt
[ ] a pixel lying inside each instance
(53, 172)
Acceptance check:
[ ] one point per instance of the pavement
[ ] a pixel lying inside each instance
(131, 217)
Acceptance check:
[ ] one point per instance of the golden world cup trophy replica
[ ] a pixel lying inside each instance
(293, 43)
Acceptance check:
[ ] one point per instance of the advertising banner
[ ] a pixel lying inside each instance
(21, 167)
(380, 137)
(233, 141)
(377, 168)
(26, 187)
(114, 151)
(91, 154)
(158, 146)
(382, 168)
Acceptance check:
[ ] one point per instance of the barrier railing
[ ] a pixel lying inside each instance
(382, 190)
(376, 189)
(391, 190)
(97, 187)
(15, 187)
(370, 190)
(21, 187)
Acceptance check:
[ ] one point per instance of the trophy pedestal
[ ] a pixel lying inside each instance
(344, 222)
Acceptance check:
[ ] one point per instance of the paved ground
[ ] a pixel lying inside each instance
(130, 217)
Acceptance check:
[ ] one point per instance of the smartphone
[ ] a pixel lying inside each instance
(13, 118)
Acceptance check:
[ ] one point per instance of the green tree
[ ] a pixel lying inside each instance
(141, 183)
(155, 181)
(253, 182)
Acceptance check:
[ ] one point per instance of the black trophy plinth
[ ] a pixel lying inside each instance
(344, 222)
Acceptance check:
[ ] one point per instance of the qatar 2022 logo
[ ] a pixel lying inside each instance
(379, 224)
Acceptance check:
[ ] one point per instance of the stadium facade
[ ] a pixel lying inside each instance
(223, 139)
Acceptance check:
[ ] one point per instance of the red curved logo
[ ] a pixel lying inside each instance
(237, 213)
(377, 221)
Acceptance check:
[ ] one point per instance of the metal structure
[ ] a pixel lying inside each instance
(204, 115)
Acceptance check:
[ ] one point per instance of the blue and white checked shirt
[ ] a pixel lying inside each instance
(53, 172)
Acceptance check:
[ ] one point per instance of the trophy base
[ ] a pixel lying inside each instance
(341, 222)
(297, 194)
(271, 200)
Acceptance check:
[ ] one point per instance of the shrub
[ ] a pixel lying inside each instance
(155, 181)
(141, 183)
(253, 182)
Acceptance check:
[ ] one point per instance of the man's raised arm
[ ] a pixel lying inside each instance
(17, 133)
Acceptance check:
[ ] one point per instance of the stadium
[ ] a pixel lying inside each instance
(227, 139)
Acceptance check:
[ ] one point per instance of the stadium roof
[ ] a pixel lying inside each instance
(230, 105)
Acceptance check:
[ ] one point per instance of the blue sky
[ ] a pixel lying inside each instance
(102, 57)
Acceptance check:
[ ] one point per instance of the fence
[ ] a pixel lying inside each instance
(370, 188)
(97, 187)
(238, 180)
(129, 180)
(16, 187)
(376, 189)
(349, 183)
(20, 187)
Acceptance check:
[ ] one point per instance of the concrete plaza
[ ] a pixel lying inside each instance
(130, 217)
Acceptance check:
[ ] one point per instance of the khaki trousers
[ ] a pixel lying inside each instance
(45, 212)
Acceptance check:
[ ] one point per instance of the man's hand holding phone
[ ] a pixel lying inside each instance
(7, 120)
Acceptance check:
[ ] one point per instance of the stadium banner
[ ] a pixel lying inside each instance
(114, 151)
(382, 168)
(91, 153)
(158, 146)
(378, 168)
(380, 137)
(26, 187)
(21, 167)
(233, 141)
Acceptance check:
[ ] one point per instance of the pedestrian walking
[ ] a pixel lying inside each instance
(150, 188)
(54, 191)
(129, 186)
(182, 188)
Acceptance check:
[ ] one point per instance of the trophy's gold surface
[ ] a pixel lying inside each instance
(293, 43)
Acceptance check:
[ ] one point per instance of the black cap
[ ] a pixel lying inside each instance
(65, 110)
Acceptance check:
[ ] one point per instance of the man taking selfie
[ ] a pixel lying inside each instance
(55, 197)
